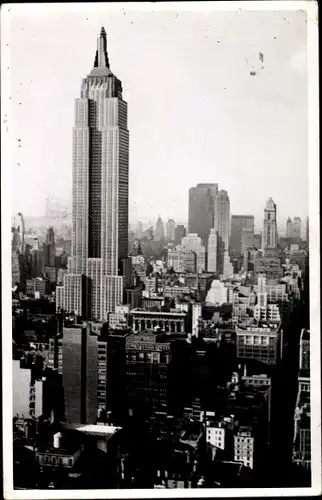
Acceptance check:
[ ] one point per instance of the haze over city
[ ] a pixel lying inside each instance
(243, 127)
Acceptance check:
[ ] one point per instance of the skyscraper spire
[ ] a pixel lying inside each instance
(101, 58)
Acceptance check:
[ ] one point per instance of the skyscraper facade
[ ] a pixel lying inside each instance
(289, 227)
(159, 230)
(171, 227)
(296, 227)
(100, 188)
(238, 224)
(80, 370)
(270, 227)
(213, 252)
(201, 210)
(222, 217)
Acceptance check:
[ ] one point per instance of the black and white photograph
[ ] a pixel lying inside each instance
(160, 250)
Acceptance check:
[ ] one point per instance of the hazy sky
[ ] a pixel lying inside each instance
(196, 114)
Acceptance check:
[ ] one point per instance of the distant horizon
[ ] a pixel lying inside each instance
(147, 220)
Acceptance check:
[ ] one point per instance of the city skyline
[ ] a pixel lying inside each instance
(264, 144)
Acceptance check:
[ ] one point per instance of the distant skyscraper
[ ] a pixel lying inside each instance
(296, 227)
(180, 232)
(159, 230)
(289, 228)
(201, 210)
(238, 223)
(50, 248)
(270, 227)
(100, 188)
(222, 217)
(213, 251)
(257, 240)
(171, 227)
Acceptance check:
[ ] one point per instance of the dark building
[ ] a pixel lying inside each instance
(116, 375)
(238, 223)
(50, 248)
(80, 374)
(148, 362)
(201, 210)
(180, 232)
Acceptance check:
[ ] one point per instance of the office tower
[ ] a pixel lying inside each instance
(296, 228)
(171, 227)
(247, 240)
(80, 369)
(50, 248)
(302, 414)
(212, 251)
(100, 188)
(289, 228)
(159, 230)
(222, 217)
(179, 233)
(15, 267)
(270, 227)
(238, 224)
(194, 243)
(228, 268)
(201, 210)
(215, 257)
(148, 362)
(257, 240)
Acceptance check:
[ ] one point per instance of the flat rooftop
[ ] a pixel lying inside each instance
(93, 430)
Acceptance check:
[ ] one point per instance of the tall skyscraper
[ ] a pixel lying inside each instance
(50, 248)
(180, 232)
(100, 189)
(296, 227)
(270, 227)
(201, 210)
(213, 252)
(289, 227)
(171, 227)
(222, 217)
(238, 224)
(159, 230)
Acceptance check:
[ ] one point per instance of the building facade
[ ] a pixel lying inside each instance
(201, 210)
(270, 227)
(238, 224)
(100, 187)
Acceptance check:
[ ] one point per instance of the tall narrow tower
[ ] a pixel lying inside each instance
(270, 227)
(100, 192)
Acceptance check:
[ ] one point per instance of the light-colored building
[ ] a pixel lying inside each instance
(270, 227)
(172, 322)
(218, 293)
(196, 316)
(193, 243)
(214, 252)
(100, 188)
(244, 446)
(27, 393)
